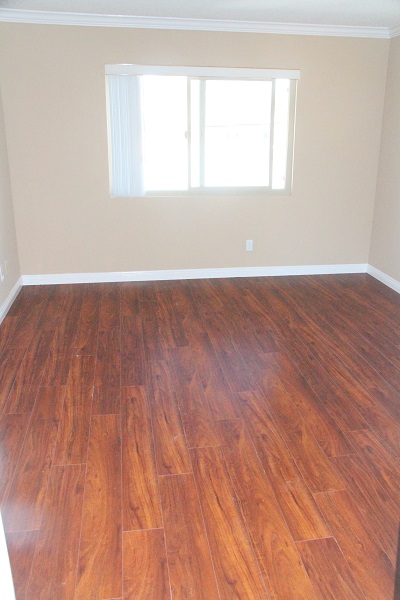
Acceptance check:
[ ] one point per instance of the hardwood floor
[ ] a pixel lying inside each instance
(202, 439)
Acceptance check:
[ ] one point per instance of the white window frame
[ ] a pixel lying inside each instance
(125, 158)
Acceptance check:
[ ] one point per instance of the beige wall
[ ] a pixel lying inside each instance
(8, 242)
(385, 242)
(54, 101)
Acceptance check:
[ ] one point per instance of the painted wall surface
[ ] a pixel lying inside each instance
(8, 241)
(54, 103)
(385, 241)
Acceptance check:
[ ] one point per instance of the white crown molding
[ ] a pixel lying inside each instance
(383, 278)
(394, 31)
(170, 275)
(5, 307)
(100, 20)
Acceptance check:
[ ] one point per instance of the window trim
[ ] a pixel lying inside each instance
(206, 73)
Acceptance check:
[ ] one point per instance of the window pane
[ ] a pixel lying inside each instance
(165, 132)
(281, 132)
(237, 133)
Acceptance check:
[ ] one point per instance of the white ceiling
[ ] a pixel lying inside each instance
(339, 13)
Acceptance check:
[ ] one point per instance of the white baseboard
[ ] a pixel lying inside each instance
(383, 278)
(191, 274)
(165, 275)
(5, 307)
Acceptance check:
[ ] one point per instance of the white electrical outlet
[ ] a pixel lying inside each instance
(249, 245)
(1, 273)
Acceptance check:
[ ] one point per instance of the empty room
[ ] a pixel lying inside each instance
(199, 300)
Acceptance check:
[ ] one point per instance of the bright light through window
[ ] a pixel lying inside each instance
(179, 132)
(165, 129)
(237, 133)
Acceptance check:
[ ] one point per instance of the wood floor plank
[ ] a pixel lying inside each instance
(25, 329)
(73, 435)
(10, 361)
(54, 567)
(23, 394)
(372, 500)
(252, 319)
(296, 502)
(316, 469)
(133, 360)
(235, 565)
(232, 363)
(339, 405)
(12, 434)
(190, 566)
(54, 302)
(109, 317)
(21, 550)
(195, 411)
(25, 503)
(172, 455)
(328, 570)
(81, 374)
(376, 458)
(106, 397)
(317, 363)
(145, 566)
(7, 328)
(169, 314)
(100, 556)
(275, 549)
(323, 427)
(141, 503)
(216, 386)
(88, 324)
(370, 565)
(62, 346)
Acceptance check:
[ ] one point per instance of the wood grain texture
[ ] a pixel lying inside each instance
(30, 374)
(54, 567)
(287, 388)
(12, 434)
(372, 500)
(107, 388)
(275, 549)
(235, 564)
(329, 570)
(73, 434)
(190, 566)
(141, 503)
(62, 346)
(319, 422)
(339, 404)
(21, 551)
(295, 499)
(109, 317)
(316, 469)
(25, 502)
(296, 502)
(145, 566)
(100, 556)
(88, 324)
(378, 460)
(172, 455)
(370, 565)
(194, 408)
(9, 366)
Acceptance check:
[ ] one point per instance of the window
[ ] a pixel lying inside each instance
(196, 130)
